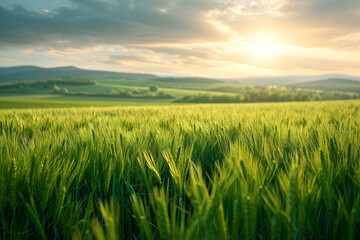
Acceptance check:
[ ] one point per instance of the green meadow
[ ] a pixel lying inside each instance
(49, 101)
(109, 170)
(168, 90)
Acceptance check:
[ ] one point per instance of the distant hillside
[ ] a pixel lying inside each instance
(187, 80)
(333, 84)
(19, 69)
(26, 73)
(287, 80)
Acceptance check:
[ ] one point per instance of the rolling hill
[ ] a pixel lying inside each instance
(332, 84)
(27, 73)
(188, 80)
(287, 80)
(17, 69)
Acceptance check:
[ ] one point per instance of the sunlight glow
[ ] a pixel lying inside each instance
(264, 49)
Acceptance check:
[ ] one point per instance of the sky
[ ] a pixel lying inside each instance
(213, 38)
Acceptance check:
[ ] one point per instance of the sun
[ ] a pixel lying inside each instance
(264, 49)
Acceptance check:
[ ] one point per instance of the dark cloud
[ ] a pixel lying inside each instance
(114, 22)
(89, 22)
(180, 34)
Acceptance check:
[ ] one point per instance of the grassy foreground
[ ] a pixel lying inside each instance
(236, 171)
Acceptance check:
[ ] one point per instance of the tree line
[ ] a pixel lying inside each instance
(268, 96)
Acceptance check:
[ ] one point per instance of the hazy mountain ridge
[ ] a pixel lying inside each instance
(287, 80)
(188, 79)
(332, 84)
(333, 81)
(27, 73)
(17, 69)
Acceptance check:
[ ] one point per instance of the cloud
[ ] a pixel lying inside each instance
(123, 59)
(314, 23)
(92, 22)
(319, 6)
(183, 51)
(184, 35)
(9, 60)
(111, 22)
(27, 50)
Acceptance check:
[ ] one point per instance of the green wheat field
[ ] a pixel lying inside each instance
(207, 171)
